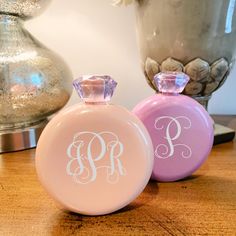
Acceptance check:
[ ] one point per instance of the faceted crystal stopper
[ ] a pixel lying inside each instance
(95, 89)
(171, 82)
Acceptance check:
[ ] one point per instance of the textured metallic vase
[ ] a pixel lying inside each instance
(34, 81)
(197, 37)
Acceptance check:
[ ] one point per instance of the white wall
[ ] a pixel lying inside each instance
(95, 37)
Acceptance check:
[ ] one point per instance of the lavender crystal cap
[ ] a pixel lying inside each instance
(171, 82)
(95, 88)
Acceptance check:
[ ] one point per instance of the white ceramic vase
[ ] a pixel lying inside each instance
(194, 36)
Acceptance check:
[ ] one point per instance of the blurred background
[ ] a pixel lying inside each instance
(95, 37)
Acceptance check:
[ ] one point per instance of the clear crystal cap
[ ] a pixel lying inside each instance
(95, 88)
(171, 82)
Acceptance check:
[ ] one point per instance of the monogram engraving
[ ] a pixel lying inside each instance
(90, 152)
(172, 131)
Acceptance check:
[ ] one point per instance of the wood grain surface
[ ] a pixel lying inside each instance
(204, 204)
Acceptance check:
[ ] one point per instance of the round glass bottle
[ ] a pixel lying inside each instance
(180, 128)
(94, 158)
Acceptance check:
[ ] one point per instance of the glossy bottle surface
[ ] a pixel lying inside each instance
(94, 158)
(181, 132)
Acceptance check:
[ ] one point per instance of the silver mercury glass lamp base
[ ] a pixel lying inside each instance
(21, 139)
(35, 82)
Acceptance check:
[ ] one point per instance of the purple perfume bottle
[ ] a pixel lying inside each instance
(180, 128)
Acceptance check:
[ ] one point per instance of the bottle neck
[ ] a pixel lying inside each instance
(169, 94)
(96, 103)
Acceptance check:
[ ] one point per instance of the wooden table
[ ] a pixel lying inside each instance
(204, 204)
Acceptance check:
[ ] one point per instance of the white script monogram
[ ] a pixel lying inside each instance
(172, 133)
(85, 152)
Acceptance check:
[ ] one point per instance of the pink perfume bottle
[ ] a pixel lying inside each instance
(94, 158)
(180, 128)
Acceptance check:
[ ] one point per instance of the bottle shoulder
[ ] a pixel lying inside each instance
(159, 104)
(81, 114)
(106, 109)
(160, 99)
